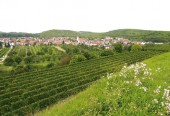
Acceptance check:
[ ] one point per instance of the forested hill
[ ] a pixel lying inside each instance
(69, 33)
(132, 34)
(17, 34)
(145, 35)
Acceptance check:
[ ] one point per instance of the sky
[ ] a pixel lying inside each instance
(35, 16)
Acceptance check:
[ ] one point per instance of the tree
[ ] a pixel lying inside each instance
(0, 44)
(87, 55)
(7, 45)
(136, 48)
(8, 61)
(129, 48)
(17, 59)
(28, 60)
(118, 47)
(107, 52)
(77, 58)
(64, 60)
(29, 53)
(49, 65)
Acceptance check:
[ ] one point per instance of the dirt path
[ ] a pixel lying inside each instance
(60, 49)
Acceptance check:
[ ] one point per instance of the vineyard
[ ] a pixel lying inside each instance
(24, 51)
(3, 51)
(38, 56)
(28, 58)
(161, 47)
(26, 93)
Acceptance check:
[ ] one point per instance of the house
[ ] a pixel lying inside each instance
(81, 40)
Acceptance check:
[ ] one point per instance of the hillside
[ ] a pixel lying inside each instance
(146, 35)
(16, 34)
(141, 89)
(68, 33)
(28, 92)
(132, 34)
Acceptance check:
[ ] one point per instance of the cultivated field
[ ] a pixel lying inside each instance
(28, 92)
(140, 89)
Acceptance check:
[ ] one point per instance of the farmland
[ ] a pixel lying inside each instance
(29, 58)
(3, 51)
(140, 89)
(27, 92)
(74, 68)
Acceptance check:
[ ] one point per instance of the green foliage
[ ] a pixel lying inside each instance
(8, 61)
(50, 65)
(87, 55)
(132, 34)
(3, 51)
(28, 60)
(77, 58)
(118, 47)
(1, 45)
(15, 34)
(141, 35)
(154, 47)
(18, 59)
(107, 52)
(135, 48)
(65, 60)
(137, 90)
(28, 92)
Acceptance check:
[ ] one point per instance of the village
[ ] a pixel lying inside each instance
(29, 41)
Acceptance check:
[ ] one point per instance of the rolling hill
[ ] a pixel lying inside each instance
(132, 34)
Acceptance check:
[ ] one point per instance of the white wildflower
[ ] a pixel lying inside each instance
(127, 82)
(131, 66)
(155, 101)
(138, 82)
(162, 103)
(168, 108)
(146, 72)
(157, 91)
(144, 88)
(158, 69)
(166, 93)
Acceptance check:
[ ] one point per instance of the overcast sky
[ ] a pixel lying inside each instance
(83, 15)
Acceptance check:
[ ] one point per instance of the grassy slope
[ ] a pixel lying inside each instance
(114, 97)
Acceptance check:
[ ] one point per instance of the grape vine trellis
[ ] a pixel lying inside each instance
(27, 92)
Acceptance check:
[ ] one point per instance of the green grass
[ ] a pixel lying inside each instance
(119, 94)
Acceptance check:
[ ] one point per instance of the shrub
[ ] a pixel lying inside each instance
(136, 47)
(118, 47)
(8, 61)
(77, 58)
